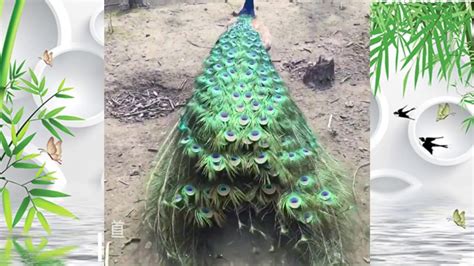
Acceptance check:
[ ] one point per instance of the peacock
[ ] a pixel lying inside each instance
(243, 147)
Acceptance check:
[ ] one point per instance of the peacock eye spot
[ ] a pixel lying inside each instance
(291, 154)
(230, 133)
(294, 200)
(255, 133)
(261, 155)
(224, 114)
(270, 108)
(324, 193)
(248, 95)
(304, 178)
(249, 73)
(218, 66)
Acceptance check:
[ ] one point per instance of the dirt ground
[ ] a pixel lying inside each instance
(162, 47)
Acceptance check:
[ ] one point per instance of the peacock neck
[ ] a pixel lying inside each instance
(248, 8)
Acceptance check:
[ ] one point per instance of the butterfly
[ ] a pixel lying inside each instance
(459, 218)
(47, 58)
(54, 150)
(443, 112)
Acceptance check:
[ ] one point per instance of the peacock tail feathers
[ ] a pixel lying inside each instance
(243, 145)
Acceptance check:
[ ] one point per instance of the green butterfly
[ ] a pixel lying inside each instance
(443, 112)
(459, 218)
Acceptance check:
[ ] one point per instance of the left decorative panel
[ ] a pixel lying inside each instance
(51, 132)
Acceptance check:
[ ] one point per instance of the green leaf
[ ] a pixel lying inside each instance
(6, 147)
(23, 131)
(41, 182)
(30, 156)
(53, 208)
(42, 113)
(5, 118)
(54, 112)
(23, 143)
(55, 253)
(60, 126)
(25, 165)
(68, 118)
(38, 192)
(29, 220)
(61, 86)
(64, 96)
(43, 222)
(33, 76)
(50, 128)
(7, 209)
(21, 210)
(18, 116)
(30, 85)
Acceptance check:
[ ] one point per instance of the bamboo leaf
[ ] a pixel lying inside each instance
(54, 112)
(68, 118)
(47, 193)
(22, 165)
(55, 253)
(29, 220)
(41, 182)
(5, 146)
(33, 76)
(64, 96)
(18, 116)
(21, 210)
(53, 208)
(7, 209)
(23, 143)
(50, 128)
(43, 222)
(60, 126)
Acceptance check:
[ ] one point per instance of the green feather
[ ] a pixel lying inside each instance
(242, 145)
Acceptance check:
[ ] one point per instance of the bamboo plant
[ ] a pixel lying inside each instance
(15, 125)
(429, 39)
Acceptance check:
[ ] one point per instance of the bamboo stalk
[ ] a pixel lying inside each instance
(8, 46)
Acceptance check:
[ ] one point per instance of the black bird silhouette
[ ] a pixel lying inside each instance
(428, 144)
(404, 114)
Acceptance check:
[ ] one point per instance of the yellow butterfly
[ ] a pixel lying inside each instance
(443, 112)
(459, 218)
(47, 58)
(54, 150)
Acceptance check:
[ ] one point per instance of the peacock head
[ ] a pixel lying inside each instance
(248, 8)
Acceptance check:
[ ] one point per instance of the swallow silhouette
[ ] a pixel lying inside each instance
(404, 114)
(429, 145)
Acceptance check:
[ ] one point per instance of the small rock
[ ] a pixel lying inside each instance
(148, 245)
(147, 35)
(135, 173)
(349, 104)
